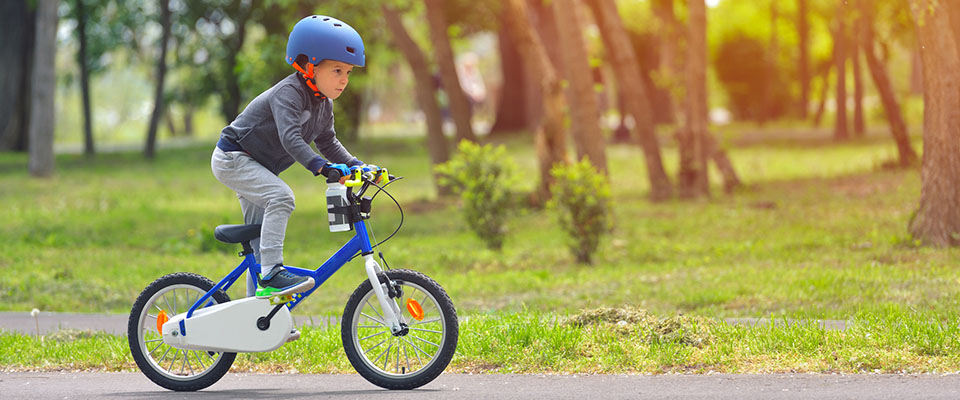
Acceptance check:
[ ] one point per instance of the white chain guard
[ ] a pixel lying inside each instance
(230, 327)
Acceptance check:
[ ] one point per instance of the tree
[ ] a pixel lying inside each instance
(17, 27)
(636, 102)
(881, 79)
(550, 139)
(840, 131)
(582, 100)
(42, 90)
(511, 114)
(424, 88)
(803, 33)
(459, 105)
(937, 218)
(81, 14)
(693, 180)
(855, 49)
(150, 148)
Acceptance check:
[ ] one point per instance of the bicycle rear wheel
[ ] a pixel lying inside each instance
(410, 359)
(172, 368)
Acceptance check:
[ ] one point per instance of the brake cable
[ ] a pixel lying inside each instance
(383, 189)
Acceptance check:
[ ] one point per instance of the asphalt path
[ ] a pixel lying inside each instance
(35, 385)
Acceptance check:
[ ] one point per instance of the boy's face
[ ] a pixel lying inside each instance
(331, 77)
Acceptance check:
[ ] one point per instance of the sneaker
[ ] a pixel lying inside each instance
(279, 282)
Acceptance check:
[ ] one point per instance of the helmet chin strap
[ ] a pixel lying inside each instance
(308, 77)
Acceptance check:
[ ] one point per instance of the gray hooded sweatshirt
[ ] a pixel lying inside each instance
(278, 125)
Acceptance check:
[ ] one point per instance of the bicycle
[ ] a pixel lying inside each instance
(401, 309)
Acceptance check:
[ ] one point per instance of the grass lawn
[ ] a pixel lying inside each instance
(819, 232)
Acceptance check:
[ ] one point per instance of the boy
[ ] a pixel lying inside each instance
(276, 129)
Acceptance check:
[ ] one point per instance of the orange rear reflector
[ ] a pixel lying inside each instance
(415, 310)
(161, 319)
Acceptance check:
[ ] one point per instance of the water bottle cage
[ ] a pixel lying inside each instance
(352, 212)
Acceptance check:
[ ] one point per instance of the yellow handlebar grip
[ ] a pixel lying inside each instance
(356, 181)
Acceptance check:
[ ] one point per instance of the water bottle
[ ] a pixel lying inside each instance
(337, 197)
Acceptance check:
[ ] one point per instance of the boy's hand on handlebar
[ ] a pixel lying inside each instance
(343, 169)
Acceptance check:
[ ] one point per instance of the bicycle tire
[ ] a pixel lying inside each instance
(135, 334)
(441, 357)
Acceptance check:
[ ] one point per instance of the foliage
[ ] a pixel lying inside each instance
(485, 177)
(582, 203)
(751, 78)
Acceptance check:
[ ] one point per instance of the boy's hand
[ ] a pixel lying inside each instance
(342, 168)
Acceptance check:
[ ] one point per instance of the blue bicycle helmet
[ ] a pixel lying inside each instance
(319, 38)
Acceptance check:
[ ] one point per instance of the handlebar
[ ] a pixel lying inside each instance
(358, 177)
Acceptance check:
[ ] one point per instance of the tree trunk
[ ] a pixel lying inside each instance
(42, 90)
(582, 100)
(693, 178)
(824, 89)
(424, 89)
(17, 27)
(88, 148)
(881, 79)
(859, 130)
(636, 102)
(511, 107)
(459, 105)
(803, 32)
(550, 140)
(150, 149)
(188, 121)
(937, 219)
(840, 131)
(916, 73)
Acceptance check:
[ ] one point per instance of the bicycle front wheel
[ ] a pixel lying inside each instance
(412, 358)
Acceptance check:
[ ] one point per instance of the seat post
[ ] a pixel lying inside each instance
(247, 249)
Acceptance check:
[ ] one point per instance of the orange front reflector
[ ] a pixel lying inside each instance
(161, 319)
(415, 310)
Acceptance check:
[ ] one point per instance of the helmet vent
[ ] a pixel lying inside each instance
(314, 17)
(326, 19)
(351, 50)
(337, 25)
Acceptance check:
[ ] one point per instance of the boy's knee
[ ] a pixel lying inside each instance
(283, 200)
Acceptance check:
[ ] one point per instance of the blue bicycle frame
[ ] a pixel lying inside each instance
(359, 243)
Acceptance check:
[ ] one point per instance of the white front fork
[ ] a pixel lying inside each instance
(391, 312)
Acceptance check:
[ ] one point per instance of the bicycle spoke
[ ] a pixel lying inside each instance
(170, 368)
(175, 302)
(164, 355)
(382, 353)
(155, 349)
(387, 358)
(375, 311)
(182, 366)
(375, 334)
(397, 367)
(426, 322)
(199, 361)
(152, 340)
(371, 326)
(425, 330)
(165, 301)
(421, 350)
(157, 307)
(187, 359)
(426, 341)
(375, 346)
(375, 320)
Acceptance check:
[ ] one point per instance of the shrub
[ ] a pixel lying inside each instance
(581, 200)
(484, 177)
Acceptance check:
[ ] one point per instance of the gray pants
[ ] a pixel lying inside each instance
(264, 199)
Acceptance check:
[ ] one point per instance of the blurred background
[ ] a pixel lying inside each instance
(768, 62)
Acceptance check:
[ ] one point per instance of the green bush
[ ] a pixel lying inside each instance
(581, 200)
(484, 177)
